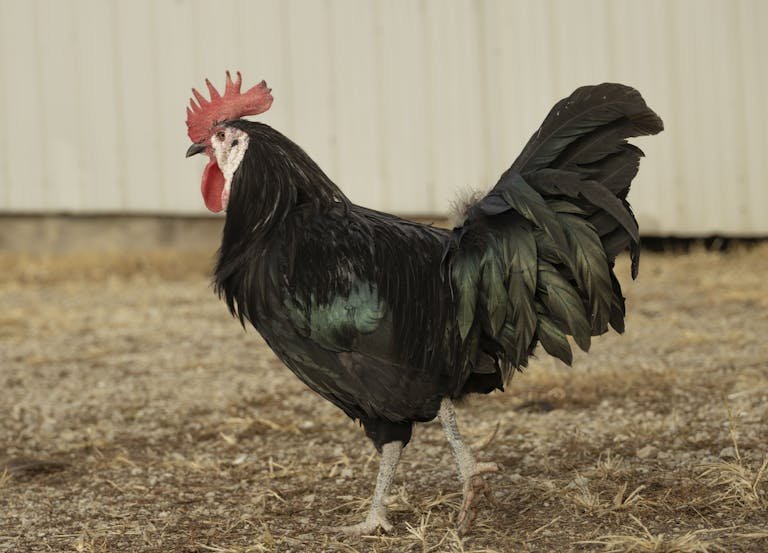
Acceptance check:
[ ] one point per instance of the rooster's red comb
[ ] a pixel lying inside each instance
(204, 114)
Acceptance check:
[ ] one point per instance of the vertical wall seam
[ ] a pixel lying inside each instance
(5, 185)
(333, 83)
(483, 51)
(43, 146)
(120, 150)
(79, 109)
(158, 131)
(384, 151)
(429, 118)
(288, 52)
(673, 63)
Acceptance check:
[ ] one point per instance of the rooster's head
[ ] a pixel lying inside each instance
(225, 145)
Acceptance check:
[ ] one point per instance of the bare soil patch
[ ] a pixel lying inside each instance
(136, 415)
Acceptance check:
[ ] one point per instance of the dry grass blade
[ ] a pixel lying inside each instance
(545, 526)
(647, 542)
(419, 532)
(358, 504)
(346, 547)
(621, 502)
(5, 477)
(89, 543)
(732, 427)
(455, 544)
(440, 499)
(588, 500)
(609, 465)
(343, 462)
(583, 497)
(760, 535)
(259, 548)
(740, 483)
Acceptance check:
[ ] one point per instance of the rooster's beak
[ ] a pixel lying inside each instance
(197, 148)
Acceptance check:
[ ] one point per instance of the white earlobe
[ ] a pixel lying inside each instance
(229, 157)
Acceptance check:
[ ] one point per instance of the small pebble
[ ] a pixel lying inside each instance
(728, 453)
(648, 452)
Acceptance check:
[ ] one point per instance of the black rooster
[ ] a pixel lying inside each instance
(392, 320)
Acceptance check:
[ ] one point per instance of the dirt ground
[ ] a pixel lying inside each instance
(136, 415)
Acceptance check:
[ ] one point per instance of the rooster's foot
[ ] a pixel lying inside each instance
(374, 521)
(475, 487)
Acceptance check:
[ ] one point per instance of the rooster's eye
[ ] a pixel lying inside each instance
(220, 135)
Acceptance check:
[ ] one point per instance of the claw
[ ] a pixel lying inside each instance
(474, 486)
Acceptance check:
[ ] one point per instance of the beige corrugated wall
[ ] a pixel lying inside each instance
(402, 102)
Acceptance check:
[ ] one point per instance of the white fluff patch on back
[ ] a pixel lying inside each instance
(229, 153)
(460, 205)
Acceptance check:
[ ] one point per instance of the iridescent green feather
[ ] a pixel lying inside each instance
(592, 270)
(565, 304)
(521, 288)
(493, 294)
(335, 325)
(465, 274)
(529, 203)
(553, 339)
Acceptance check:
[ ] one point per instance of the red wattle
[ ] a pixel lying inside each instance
(212, 186)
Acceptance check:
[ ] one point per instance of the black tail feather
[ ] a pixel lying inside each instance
(561, 208)
(592, 120)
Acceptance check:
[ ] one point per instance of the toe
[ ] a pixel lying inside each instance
(481, 468)
(474, 489)
(368, 527)
(465, 520)
(361, 529)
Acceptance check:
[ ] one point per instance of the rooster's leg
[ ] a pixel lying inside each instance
(377, 514)
(470, 471)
